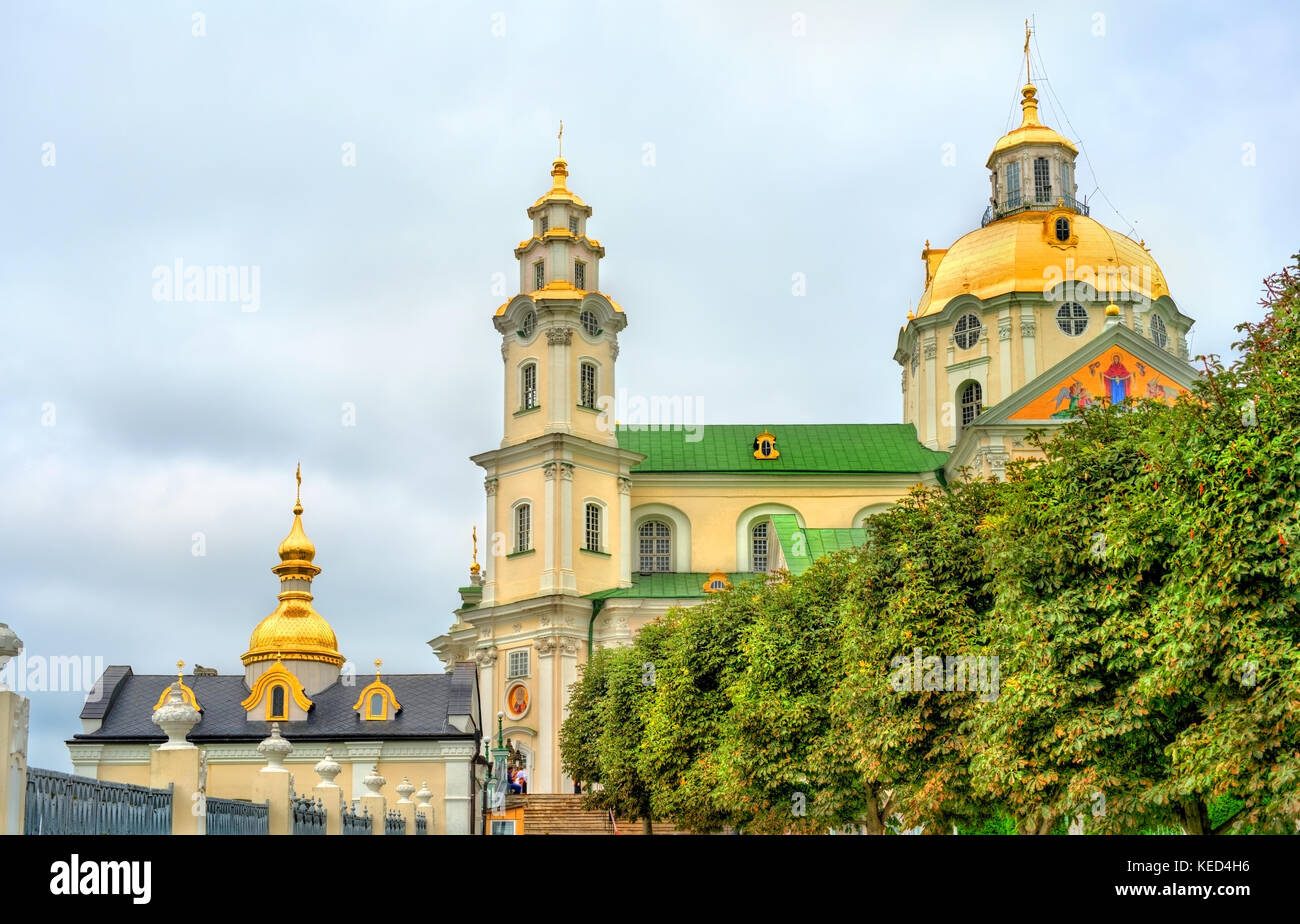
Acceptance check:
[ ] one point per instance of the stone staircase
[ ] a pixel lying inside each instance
(564, 814)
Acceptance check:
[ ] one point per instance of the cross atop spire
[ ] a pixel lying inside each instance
(1027, 31)
(297, 504)
(559, 142)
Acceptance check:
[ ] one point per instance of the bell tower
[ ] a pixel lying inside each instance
(554, 485)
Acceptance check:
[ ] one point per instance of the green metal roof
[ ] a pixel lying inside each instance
(667, 585)
(883, 448)
(801, 546)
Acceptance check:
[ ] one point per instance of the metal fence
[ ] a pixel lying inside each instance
(230, 816)
(59, 803)
(421, 824)
(357, 822)
(308, 815)
(395, 823)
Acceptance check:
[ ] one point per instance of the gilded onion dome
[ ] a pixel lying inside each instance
(294, 631)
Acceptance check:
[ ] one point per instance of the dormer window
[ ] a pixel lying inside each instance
(765, 446)
(277, 706)
(1063, 229)
(377, 702)
(716, 583)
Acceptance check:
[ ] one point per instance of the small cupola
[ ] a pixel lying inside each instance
(1031, 167)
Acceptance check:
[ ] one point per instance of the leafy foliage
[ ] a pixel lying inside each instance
(1136, 589)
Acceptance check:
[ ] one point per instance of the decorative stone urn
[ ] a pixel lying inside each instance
(10, 646)
(404, 790)
(176, 717)
(275, 749)
(373, 781)
(328, 768)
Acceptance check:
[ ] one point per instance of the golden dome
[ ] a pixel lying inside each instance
(1020, 253)
(1031, 131)
(294, 631)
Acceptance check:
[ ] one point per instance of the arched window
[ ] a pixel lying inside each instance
(966, 332)
(530, 322)
(655, 546)
(587, 384)
(523, 527)
(758, 546)
(528, 386)
(1062, 229)
(972, 397)
(1159, 334)
(277, 708)
(377, 706)
(593, 528)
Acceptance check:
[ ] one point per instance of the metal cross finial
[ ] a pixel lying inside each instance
(180, 671)
(378, 664)
(1027, 78)
(559, 142)
(298, 475)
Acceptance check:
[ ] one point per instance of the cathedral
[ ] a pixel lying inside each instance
(597, 526)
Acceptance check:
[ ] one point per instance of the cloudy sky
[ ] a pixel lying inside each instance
(724, 147)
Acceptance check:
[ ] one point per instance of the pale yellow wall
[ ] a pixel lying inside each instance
(235, 780)
(714, 510)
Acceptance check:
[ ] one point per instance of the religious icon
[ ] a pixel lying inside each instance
(1078, 397)
(517, 700)
(1117, 379)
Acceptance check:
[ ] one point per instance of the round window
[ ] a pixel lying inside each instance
(1062, 229)
(1072, 319)
(1159, 335)
(967, 331)
(530, 323)
(589, 323)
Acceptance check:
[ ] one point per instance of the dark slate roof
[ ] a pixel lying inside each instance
(426, 699)
(104, 691)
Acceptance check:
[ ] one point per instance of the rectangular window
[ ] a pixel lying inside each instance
(523, 528)
(546, 224)
(1067, 186)
(759, 548)
(1042, 180)
(539, 275)
(580, 274)
(573, 225)
(593, 528)
(502, 828)
(517, 665)
(587, 385)
(1013, 186)
(528, 387)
